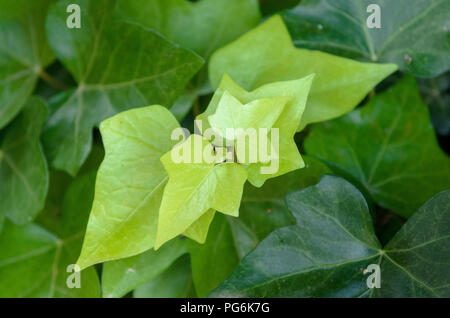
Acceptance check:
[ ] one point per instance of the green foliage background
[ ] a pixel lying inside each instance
(365, 171)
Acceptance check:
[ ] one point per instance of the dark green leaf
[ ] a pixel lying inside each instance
(23, 169)
(416, 260)
(175, 282)
(214, 260)
(389, 145)
(436, 94)
(264, 209)
(325, 254)
(34, 261)
(272, 6)
(202, 26)
(24, 52)
(321, 256)
(413, 35)
(122, 276)
(117, 66)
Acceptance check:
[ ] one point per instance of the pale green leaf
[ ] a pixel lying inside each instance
(196, 187)
(129, 186)
(288, 155)
(266, 54)
(199, 229)
(259, 113)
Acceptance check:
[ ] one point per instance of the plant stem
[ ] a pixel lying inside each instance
(52, 81)
(196, 108)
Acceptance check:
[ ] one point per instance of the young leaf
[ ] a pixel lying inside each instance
(122, 276)
(34, 262)
(199, 229)
(203, 26)
(129, 185)
(175, 282)
(24, 52)
(325, 254)
(259, 116)
(117, 66)
(389, 146)
(214, 260)
(196, 187)
(266, 54)
(23, 169)
(287, 122)
(341, 27)
(260, 113)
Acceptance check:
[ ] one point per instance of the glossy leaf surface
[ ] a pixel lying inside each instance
(388, 145)
(413, 35)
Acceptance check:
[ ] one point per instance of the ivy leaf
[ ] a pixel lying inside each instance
(117, 66)
(389, 146)
(175, 282)
(436, 94)
(122, 276)
(287, 122)
(214, 260)
(129, 185)
(24, 52)
(264, 210)
(324, 255)
(23, 169)
(415, 260)
(260, 113)
(202, 26)
(34, 261)
(199, 229)
(319, 256)
(340, 27)
(266, 54)
(195, 187)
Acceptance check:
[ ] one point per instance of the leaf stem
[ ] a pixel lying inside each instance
(196, 108)
(52, 81)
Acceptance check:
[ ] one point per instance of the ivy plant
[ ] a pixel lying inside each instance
(224, 148)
